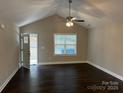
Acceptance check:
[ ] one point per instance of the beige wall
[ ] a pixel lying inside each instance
(104, 42)
(105, 46)
(47, 28)
(8, 50)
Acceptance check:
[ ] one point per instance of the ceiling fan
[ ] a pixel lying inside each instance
(70, 19)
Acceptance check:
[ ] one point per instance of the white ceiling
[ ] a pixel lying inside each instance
(23, 12)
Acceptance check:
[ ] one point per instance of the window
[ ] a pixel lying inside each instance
(65, 44)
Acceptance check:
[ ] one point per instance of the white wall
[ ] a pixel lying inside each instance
(9, 48)
(105, 46)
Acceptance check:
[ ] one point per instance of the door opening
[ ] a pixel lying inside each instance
(25, 50)
(33, 49)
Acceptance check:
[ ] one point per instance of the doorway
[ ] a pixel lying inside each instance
(33, 49)
(29, 49)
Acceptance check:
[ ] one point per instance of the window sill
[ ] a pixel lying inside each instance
(65, 55)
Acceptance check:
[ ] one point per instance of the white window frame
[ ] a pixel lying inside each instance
(65, 44)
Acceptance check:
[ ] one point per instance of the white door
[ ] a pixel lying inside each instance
(26, 50)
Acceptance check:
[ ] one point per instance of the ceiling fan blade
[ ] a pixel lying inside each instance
(79, 20)
(69, 18)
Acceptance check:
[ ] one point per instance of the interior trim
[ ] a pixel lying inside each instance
(8, 79)
(106, 70)
(61, 62)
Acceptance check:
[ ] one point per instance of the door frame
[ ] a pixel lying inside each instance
(37, 45)
(21, 62)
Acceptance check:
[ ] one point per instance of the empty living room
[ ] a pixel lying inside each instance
(61, 46)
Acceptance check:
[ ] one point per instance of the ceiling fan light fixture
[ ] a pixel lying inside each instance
(69, 24)
(70, 19)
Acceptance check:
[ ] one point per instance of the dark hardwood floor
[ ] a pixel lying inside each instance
(75, 78)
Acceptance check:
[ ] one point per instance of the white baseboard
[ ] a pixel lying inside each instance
(8, 79)
(61, 62)
(106, 70)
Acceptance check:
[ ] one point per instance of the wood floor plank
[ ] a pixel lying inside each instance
(71, 78)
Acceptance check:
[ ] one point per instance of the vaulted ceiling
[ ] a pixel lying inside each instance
(23, 12)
